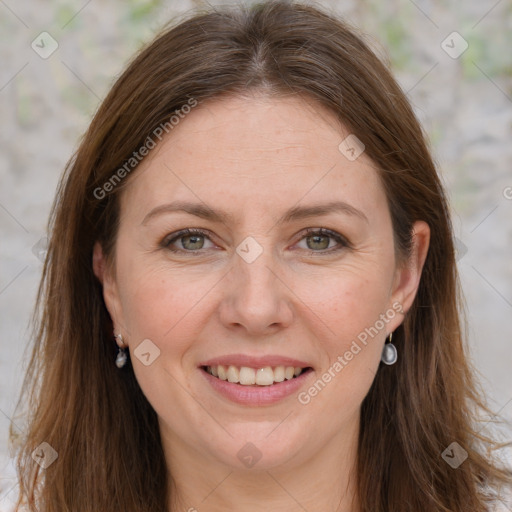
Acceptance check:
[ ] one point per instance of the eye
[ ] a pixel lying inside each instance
(191, 240)
(317, 240)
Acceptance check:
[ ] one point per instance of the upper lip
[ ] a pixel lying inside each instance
(255, 361)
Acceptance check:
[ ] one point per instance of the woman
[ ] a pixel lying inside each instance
(250, 298)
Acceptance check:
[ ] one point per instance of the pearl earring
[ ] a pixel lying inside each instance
(122, 356)
(389, 352)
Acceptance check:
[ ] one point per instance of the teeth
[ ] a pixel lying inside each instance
(221, 372)
(279, 374)
(249, 376)
(289, 372)
(233, 374)
(265, 376)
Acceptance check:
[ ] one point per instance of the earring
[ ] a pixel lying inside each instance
(122, 356)
(389, 352)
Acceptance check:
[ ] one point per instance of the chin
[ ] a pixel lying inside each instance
(255, 448)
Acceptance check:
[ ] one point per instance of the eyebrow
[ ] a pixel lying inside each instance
(294, 213)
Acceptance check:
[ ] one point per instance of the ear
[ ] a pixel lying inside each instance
(110, 292)
(407, 277)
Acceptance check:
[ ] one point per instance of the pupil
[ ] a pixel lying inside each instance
(316, 237)
(192, 237)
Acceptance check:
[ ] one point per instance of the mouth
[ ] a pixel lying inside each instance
(255, 377)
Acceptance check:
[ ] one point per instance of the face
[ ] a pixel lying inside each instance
(274, 279)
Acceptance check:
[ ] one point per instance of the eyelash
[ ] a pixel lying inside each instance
(344, 243)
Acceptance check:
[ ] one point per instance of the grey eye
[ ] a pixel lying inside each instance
(318, 242)
(192, 242)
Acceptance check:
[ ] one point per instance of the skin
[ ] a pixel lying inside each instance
(255, 158)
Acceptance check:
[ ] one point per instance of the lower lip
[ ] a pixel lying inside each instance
(257, 395)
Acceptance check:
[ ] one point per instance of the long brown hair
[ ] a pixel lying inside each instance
(96, 417)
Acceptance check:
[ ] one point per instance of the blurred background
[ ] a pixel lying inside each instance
(454, 60)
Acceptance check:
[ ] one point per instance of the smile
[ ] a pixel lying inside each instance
(247, 376)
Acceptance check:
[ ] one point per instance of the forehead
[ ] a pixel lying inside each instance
(256, 151)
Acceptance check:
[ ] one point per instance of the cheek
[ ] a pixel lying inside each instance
(354, 311)
(348, 301)
(161, 306)
(163, 303)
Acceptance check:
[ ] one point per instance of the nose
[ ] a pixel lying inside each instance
(256, 297)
